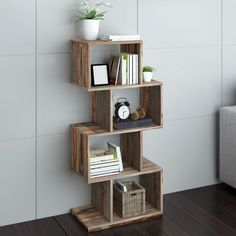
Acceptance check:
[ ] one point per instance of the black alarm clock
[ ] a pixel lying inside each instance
(122, 110)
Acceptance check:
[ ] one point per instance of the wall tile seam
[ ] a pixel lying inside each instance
(17, 139)
(17, 55)
(183, 47)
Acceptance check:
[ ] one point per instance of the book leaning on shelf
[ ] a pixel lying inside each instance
(104, 163)
(124, 69)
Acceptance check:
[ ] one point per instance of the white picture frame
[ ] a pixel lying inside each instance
(100, 74)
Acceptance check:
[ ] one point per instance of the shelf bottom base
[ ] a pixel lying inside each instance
(95, 221)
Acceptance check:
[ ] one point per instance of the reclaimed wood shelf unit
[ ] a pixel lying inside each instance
(100, 214)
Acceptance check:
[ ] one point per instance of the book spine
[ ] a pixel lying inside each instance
(120, 158)
(136, 69)
(105, 169)
(123, 76)
(130, 69)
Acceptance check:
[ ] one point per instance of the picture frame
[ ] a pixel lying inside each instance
(100, 74)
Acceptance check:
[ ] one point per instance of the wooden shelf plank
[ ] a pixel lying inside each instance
(148, 167)
(94, 221)
(117, 87)
(105, 42)
(92, 129)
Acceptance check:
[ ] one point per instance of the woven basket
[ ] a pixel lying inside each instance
(131, 203)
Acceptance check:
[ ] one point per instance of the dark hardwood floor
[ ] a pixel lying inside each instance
(208, 211)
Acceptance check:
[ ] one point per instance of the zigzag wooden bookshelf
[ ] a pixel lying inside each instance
(100, 214)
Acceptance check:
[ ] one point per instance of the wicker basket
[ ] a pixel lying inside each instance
(131, 203)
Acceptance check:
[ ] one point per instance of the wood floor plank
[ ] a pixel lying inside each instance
(187, 222)
(211, 222)
(213, 203)
(171, 228)
(43, 227)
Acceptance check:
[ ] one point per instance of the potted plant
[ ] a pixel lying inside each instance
(147, 73)
(88, 18)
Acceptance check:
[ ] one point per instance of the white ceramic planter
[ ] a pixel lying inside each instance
(147, 76)
(88, 29)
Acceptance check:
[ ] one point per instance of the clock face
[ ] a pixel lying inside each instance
(123, 112)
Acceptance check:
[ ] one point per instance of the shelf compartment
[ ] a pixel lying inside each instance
(151, 100)
(153, 182)
(130, 145)
(81, 58)
(93, 220)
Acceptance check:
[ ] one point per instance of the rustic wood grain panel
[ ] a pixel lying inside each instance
(80, 153)
(102, 109)
(81, 72)
(102, 199)
(132, 149)
(153, 185)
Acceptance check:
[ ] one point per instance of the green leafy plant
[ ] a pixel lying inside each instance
(148, 69)
(89, 11)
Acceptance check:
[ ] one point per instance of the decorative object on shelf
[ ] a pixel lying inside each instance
(140, 113)
(88, 19)
(122, 110)
(117, 37)
(130, 203)
(100, 74)
(147, 73)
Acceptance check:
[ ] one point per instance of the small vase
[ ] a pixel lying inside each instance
(88, 29)
(147, 77)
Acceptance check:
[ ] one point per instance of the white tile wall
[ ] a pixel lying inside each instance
(229, 35)
(17, 25)
(192, 80)
(59, 102)
(186, 149)
(179, 23)
(59, 188)
(229, 75)
(17, 97)
(17, 181)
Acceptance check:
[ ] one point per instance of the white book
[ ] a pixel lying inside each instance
(112, 37)
(135, 68)
(130, 69)
(106, 174)
(106, 162)
(99, 155)
(105, 169)
(115, 150)
(99, 165)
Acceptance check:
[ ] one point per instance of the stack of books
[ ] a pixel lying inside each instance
(124, 69)
(104, 163)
